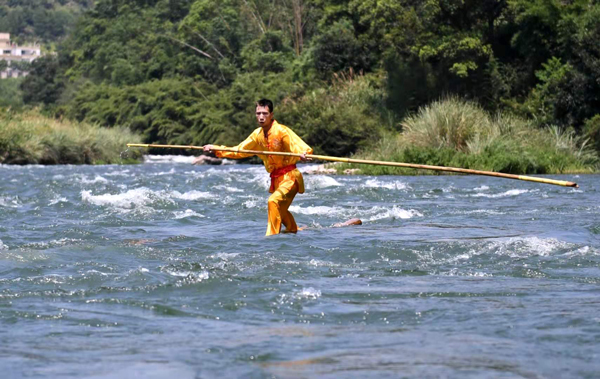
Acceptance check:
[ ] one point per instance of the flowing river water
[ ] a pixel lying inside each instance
(162, 270)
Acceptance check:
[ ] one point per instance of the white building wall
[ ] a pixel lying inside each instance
(13, 53)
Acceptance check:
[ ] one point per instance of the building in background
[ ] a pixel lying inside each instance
(16, 57)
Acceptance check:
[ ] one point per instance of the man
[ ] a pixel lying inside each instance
(286, 180)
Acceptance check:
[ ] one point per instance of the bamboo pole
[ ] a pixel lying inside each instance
(379, 163)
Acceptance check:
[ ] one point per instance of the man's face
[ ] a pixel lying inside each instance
(263, 116)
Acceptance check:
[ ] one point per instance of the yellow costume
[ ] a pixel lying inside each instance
(286, 180)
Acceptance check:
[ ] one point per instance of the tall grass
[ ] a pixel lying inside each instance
(457, 133)
(30, 138)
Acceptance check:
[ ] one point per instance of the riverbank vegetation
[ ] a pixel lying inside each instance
(37, 21)
(11, 95)
(457, 133)
(349, 77)
(30, 138)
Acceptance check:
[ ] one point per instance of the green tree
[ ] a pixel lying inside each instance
(44, 84)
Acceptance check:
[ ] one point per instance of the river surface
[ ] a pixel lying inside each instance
(162, 270)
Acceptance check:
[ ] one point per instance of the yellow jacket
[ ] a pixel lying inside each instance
(280, 138)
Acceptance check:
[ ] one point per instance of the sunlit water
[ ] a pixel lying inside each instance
(162, 270)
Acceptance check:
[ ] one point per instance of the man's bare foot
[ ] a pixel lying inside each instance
(352, 221)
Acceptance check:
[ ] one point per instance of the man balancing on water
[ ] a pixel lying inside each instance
(286, 180)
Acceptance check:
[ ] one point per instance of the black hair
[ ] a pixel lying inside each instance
(265, 103)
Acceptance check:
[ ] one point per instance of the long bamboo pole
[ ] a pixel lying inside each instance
(364, 161)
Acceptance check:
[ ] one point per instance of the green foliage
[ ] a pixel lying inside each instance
(43, 84)
(21, 65)
(240, 100)
(267, 54)
(591, 131)
(179, 111)
(536, 22)
(29, 138)
(216, 27)
(456, 133)
(338, 49)
(161, 111)
(340, 120)
(124, 43)
(46, 20)
(10, 93)
(546, 99)
(189, 71)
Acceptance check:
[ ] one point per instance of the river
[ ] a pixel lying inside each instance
(162, 270)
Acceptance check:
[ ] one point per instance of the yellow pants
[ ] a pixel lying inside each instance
(279, 202)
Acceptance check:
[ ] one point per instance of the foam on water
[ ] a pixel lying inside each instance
(3, 246)
(138, 197)
(320, 263)
(224, 256)
(22, 167)
(375, 183)
(168, 159)
(50, 279)
(513, 192)
(58, 200)
(187, 213)
(9, 202)
(583, 251)
(53, 243)
(394, 212)
(308, 293)
(241, 176)
(189, 277)
(98, 179)
(118, 173)
(468, 255)
(522, 247)
(481, 211)
(228, 188)
(458, 272)
(255, 202)
(162, 173)
(372, 214)
(320, 181)
(317, 210)
(94, 272)
(192, 195)
(141, 199)
(250, 171)
(261, 179)
(537, 246)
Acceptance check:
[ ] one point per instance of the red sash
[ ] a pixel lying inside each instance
(280, 172)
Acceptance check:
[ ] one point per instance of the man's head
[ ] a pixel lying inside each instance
(264, 112)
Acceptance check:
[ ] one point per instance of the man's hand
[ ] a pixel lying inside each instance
(207, 148)
(303, 157)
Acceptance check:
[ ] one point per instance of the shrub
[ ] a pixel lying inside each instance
(591, 131)
(456, 133)
(30, 138)
(10, 93)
